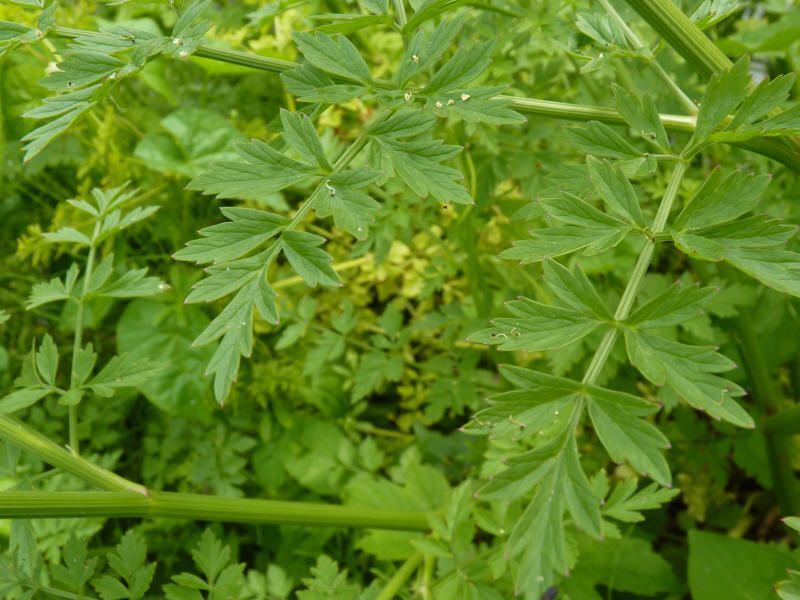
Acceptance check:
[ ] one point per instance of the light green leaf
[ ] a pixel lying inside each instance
(47, 360)
(465, 66)
(678, 304)
(536, 327)
(261, 171)
(299, 133)
(314, 85)
(424, 49)
(419, 165)
(628, 437)
(475, 106)
(310, 261)
(600, 140)
(724, 93)
(352, 210)
(333, 54)
(615, 190)
(246, 229)
(690, 372)
(720, 200)
(575, 289)
(120, 372)
(641, 114)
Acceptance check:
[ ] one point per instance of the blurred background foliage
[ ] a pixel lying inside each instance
(367, 383)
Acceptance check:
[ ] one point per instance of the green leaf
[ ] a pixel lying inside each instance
(626, 503)
(723, 93)
(80, 68)
(558, 241)
(721, 200)
(581, 502)
(424, 49)
(222, 579)
(129, 562)
(246, 229)
(54, 290)
(333, 54)
(39, 138)
(47, 360)
(625, 435)
(677, 305)
(23, 398)
(310, 261)
(575, 289)
(475, 106)
(752, 245)
(299, 133)
(690, 372)
(352, 210)
(261, 172)
(419, 165)
(600, 140)
(314, 85)
(723, 567)
(768, 95)
(641, 114)
(465, 66)
(536, 327)
(77, 569)
(615, 190)
(121, 372)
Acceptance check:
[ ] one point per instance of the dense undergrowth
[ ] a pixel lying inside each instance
(488, 299)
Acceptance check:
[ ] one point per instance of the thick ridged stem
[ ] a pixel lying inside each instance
(683, 35)
(20, 435)
(64, 505)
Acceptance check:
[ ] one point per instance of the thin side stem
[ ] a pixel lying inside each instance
(634, 283)
(17, 434)
(400, 11)
(687, 102)
(400, 577)
(77, 342)
(65, 505)
(683, 35)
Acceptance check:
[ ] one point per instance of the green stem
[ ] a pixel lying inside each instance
(74, 440)
(683, 35)
(780, 448)
(706, 58)
(400, 11)
(65, 505)
(17, 434)
(687, 102)
(398, 580)
(634, 283)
